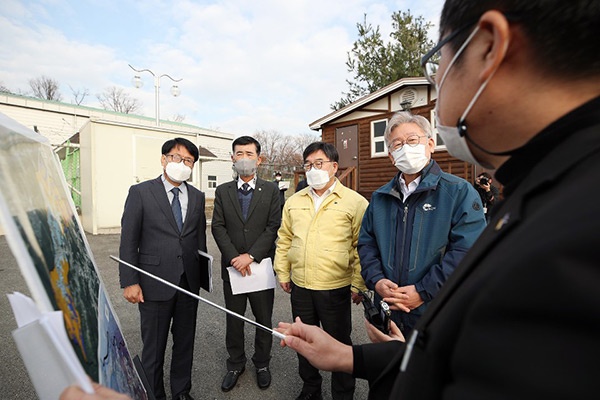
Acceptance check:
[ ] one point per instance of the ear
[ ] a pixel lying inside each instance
(431, 145)
(496, 29)
(259, 159)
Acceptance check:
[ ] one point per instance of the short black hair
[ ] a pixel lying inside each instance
(243, 141)
(191, 147)
(562, 34)
(327, 148)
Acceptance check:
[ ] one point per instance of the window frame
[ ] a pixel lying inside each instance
(378, 139)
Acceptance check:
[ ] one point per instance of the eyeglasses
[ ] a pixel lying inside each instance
(177, 158)
(431, 61)
(412, 141)
(317, 164)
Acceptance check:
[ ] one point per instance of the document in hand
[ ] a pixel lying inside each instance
(45, 349)
(262, 278)
(284, 185)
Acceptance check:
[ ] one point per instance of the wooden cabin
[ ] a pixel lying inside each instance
(357, 132)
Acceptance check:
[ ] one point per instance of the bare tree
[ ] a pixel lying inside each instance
(115, 99)
(79, 95)
(282, 152)
(45, 88)
(4, 89)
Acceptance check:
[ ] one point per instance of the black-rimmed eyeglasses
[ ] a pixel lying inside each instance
(317, 164)
(430, 62)
(177, 158)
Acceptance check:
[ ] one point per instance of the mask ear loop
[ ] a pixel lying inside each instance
(452, 62)
(461, 125)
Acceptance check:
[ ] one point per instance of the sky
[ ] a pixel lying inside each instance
(245, 65)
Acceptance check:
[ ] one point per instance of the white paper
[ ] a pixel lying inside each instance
(284, 185)
(262, 278)
(45, 349)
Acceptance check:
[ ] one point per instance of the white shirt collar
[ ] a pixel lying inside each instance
(168, 185)
(251, 182)
(408, 190)
(318, 200)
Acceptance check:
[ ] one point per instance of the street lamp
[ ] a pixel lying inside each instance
(138, 83)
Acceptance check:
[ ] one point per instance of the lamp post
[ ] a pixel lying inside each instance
(138, 83)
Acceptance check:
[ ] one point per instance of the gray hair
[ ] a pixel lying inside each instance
(405, 117)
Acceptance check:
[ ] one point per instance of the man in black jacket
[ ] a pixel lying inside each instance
(245, 220)
(162, 228)
(518, 317)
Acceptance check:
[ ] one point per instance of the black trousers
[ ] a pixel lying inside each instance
(262, 308)
(330, 309)
(156, 317)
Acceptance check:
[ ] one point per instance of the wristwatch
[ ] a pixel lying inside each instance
(251, 256)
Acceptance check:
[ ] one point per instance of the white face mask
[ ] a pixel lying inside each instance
(455, 137)
(245, 167)
(317, 178)
(178, 172)
(410, 160)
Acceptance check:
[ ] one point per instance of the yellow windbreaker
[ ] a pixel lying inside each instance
(317, 251)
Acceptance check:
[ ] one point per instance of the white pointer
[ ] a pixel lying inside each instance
(271, 331)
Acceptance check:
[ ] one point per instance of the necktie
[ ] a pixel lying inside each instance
(245, 198)
(245, 188)
(176, 208)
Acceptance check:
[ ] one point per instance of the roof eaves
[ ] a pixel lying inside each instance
(316, 125)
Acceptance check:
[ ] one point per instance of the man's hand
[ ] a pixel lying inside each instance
(377, 336)
(356, 298)
(133, 294)
(286, 286)
(385, 287)
(317, 346)
(242, 264)
(405, 298)
(391, 293)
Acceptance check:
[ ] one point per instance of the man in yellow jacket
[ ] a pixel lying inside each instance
(317, 262)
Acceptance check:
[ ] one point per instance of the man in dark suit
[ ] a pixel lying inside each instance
(518, 318)
(162, 228)
(246, 216)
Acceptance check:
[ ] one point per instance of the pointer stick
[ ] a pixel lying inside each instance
(271, 331)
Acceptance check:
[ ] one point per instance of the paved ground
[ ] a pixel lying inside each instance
(210, 353)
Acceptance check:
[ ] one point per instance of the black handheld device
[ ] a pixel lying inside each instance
(377, 316)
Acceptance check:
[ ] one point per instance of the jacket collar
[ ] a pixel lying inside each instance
(430, 177)
(513, 171)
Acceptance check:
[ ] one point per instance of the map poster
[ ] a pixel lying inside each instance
(48, 242)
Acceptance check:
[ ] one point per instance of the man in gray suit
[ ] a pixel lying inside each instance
(162, 228)
(246, 217)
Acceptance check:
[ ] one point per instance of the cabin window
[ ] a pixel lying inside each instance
(212, 181)
(439, 143)
(378, 147)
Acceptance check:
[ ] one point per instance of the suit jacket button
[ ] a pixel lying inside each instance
(178, 257)
(246, 230)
